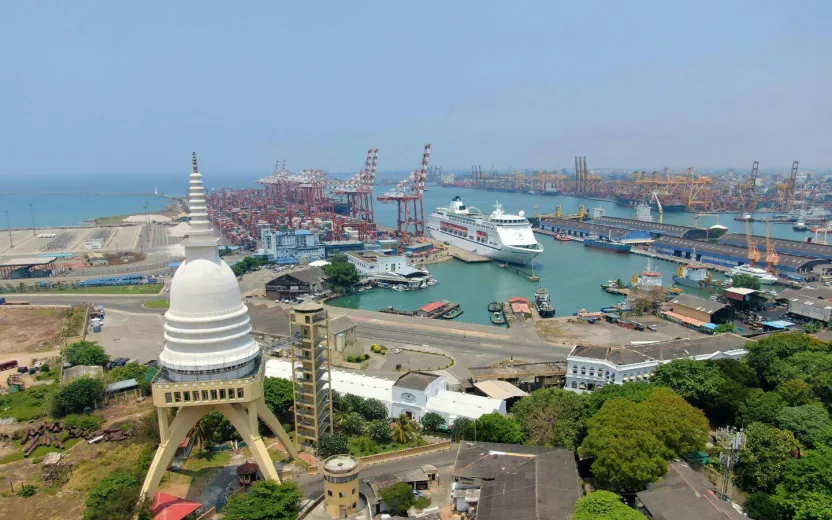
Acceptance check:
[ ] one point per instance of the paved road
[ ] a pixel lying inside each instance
(127, 303)
(313, 485)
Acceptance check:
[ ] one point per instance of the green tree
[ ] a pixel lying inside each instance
(266, 500)
(129, 371)
(604, 505)
(760, 406)
(379, 431)
(724, 408)
(762, 506)
(805, 492)
(552, 417)
(764, 460)
(494, 427)
(807, 365)
(460, 429)
(432, 421)
(86, 353)
(398, 497)
(80, 393)
(219, 428)
(350, 403)
(633, 392)
(696, 381)
(797, 392)
(724, 328)
(202, 434)
(681, 427)
(404, 429)
(372, 409)
(805, 422)
(763, 355)
(736, 370)
(279, 395)
(625, 460)
(332, 444)
(353, 424)
(116, 496)
(341, 274)
(746, 281)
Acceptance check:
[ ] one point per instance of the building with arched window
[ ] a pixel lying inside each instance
(590, 367)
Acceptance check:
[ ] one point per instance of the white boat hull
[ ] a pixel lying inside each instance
(504, 254)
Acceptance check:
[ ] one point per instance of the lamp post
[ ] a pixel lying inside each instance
(9, 224)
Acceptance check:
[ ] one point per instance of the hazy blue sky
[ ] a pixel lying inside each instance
(118, 87)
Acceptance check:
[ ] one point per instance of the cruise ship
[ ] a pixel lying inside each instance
(500, 236)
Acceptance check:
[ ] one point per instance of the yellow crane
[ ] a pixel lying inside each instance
(772, 258)
(754, 255)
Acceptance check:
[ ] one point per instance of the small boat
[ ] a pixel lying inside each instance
(800, 226)
(618, 307)
(497, 318)
(433, 281)
(453, 313)
(543, 303)
(495, 307)
(562, 238)
(607, 243)
(613, 284)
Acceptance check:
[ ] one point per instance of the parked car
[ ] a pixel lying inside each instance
(653, 327)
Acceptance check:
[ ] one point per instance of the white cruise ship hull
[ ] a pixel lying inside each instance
(503, 254)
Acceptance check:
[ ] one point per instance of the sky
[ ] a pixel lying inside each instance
(131, 88)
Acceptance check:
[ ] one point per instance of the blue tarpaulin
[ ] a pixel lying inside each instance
(779, 324)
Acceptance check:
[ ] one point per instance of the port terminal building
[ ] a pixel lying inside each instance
(728, 255)
(789, 247)
(291, 246)
(591, 367)
(655, 229)
(573, 228)
(32, 267)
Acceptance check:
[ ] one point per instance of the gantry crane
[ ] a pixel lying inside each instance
(753, 253)
(409, 195)
(772, 258)
(748, 190)
(786, 191)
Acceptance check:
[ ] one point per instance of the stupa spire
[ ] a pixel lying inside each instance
(201, 235)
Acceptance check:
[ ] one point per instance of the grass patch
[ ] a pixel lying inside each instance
(200, 467)
(150, 288)
(40, 451)
(364, 446)
(28, 404)
(161, 303)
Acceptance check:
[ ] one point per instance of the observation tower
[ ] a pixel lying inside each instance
(210, 360)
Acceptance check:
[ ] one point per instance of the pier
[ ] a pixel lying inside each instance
(466, 256)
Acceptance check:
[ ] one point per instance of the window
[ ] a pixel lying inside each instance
(591, 372)
(186, 396)
(354, 504)
(329, 493)
(353, 492)
(341, 494)
(232, 393)
(583, 370)
(213, 395)
(222, 393)
(574, 369)
(239, 393)
(574, 384)
(168, 397)
(177, 397)
(205, 395)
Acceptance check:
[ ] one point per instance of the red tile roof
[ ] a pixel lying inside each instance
(432, 306)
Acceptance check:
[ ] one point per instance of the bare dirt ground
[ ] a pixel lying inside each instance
(572, 331)
(30, 329)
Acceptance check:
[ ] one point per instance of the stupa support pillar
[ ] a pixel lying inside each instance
(240, 417)
(274, 425)
(182, 425)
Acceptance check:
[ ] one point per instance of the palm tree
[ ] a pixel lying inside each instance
(404, 429)
(202, 434)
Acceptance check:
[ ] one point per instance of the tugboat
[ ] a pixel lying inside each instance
(607, 243)
(495, 307)
(543, 303)
(497, 318)
(693, 275)
(562, 238)
(453, 313)
(613, 284)
(800, 226)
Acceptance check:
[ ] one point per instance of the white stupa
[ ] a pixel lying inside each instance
(207, 328)
(210, 360)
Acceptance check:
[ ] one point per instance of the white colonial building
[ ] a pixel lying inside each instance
(413, 394)
(591, 367)
(392, 269)
(291, 246)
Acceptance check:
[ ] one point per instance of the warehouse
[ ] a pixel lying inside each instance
(727, 255)
(813, 304)
(655, 229)
(573, 228)
(790, 247)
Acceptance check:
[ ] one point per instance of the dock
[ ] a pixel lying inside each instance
(466, 256)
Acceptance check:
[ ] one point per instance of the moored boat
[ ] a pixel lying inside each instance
(608, 244)
(495, 307)
(453, 313)
(497, 318)
(543, 303)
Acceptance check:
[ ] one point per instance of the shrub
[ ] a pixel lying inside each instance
(44, 368)
(27, 490)
(77, 395)
(86, 353)
(334, 444)
(379, 431)
(85, 422)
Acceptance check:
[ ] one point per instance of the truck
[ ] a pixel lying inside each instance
(8, 365)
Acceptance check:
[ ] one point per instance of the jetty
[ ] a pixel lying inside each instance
(466, 256)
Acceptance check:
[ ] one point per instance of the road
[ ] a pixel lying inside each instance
(127, 303)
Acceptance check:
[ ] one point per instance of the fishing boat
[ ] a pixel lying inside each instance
(543, 303)
(614, 284)
(495, 307)
(497, 318)
(453, 313)
(693, 275)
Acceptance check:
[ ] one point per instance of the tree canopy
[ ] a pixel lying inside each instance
(761, 406)
(696, 381)
(399, 498)
(372, 409)
(746, 280)
(279, 395)
(353, 424)
(86, 353)
(266, 500)
(805, 492)
(805, 422)
(604, 505)
(764, 355)
(80, 393)
(764, 459)
(341, 274)
(332, 444)
(552, 417)
(494, 427)
(432, 421)
(379, 431)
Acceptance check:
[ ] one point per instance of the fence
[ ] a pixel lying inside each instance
(207, 514)
(407, 452)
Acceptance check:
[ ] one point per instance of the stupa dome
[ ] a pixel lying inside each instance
(207, 328)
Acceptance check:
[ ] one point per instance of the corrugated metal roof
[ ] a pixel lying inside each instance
(655, 227)
(735, 253)
(500, 389)
(793, 247)
(127, 384)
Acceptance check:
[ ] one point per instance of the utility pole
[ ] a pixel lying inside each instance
(32, 212)
(9, 224)
(731, 442)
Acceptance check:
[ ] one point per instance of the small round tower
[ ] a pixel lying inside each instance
(341, 485)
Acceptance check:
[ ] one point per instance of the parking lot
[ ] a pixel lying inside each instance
(572, 331)
(129, 335)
